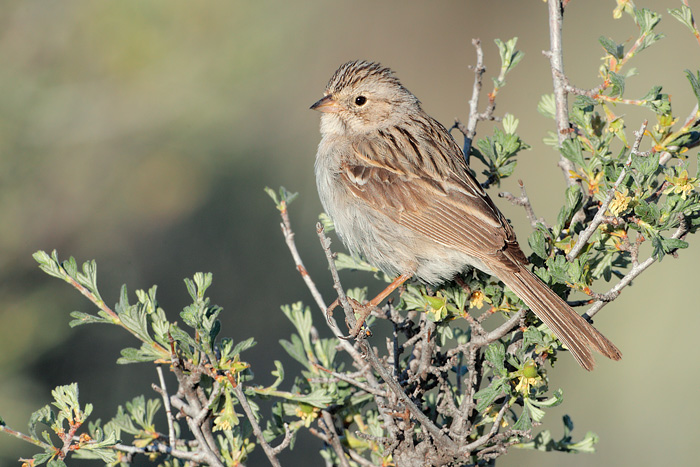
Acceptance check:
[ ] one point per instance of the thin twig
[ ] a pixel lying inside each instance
(354, 382)
(285, 442)
(289, 239)
(345, 303)
(291, 244)
(329, 427)
(426, 348)
(23, 437)
(269, 451)
(598, 218)
(192, 456)
(556, 60)
(504, 328)
(361, 460)
(163, 391)
(485, 438)
(524, 201)
(479, 70)
(593, 93)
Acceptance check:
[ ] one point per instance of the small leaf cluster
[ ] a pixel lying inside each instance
(65, 417)
(498, 152)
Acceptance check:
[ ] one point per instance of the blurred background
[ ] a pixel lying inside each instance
(141, 134)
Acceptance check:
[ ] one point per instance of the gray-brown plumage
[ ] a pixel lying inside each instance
(397, 187)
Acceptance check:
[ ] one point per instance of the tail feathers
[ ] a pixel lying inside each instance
(574, 331)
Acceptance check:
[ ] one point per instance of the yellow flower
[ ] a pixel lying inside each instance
(619, 203)
(227, 418)
(593, 184)
(622, 5)
(477, 299)
(681, 184)
(307, 413)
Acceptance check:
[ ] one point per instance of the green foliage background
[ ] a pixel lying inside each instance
(141, 134)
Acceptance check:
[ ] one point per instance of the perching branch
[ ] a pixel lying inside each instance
(377, 365)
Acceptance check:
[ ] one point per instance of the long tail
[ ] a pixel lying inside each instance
(574, 331)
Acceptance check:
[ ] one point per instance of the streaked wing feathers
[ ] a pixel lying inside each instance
(451, 208)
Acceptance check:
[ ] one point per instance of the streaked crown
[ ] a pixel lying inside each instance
(350, 74)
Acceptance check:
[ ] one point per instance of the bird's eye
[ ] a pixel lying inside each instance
(360, 100)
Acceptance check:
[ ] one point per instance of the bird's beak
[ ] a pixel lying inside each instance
(326, 105)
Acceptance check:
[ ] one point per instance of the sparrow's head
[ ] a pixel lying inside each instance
(364, 96)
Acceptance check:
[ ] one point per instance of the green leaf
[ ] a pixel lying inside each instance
(283, 199)
(506, 170)
(646, 165)
(510, 124)
(533, 336)
(612, 48)
(648, 40)
(538, 243)
(49, 264)
(295, 349)
(486, 396)
(243, 346)
(685, 15)
(536, 414)
(574, 197)
(617, 88)
(556, 399)
(646, 19)
(557, 267)
(55, 462)
(496, 355)
(671, 244)
(343, 261)
(326, 222)
(657, 101)
(43, 415)
(43, 457)
(510, 57)
(571, 149)
(85, 318)
(694, 82)
(147, 353)
(603, 268)
(524, 423)
(585, 103)
(648, 213)
(134, 319)
(547, 106)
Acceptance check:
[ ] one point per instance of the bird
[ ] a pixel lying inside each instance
(400, 194)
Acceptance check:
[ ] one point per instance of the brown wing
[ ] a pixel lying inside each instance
(443, 201)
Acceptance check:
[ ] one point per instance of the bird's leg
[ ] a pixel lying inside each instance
(364, 310)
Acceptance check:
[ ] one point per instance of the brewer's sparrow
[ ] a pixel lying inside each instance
(397, 187)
